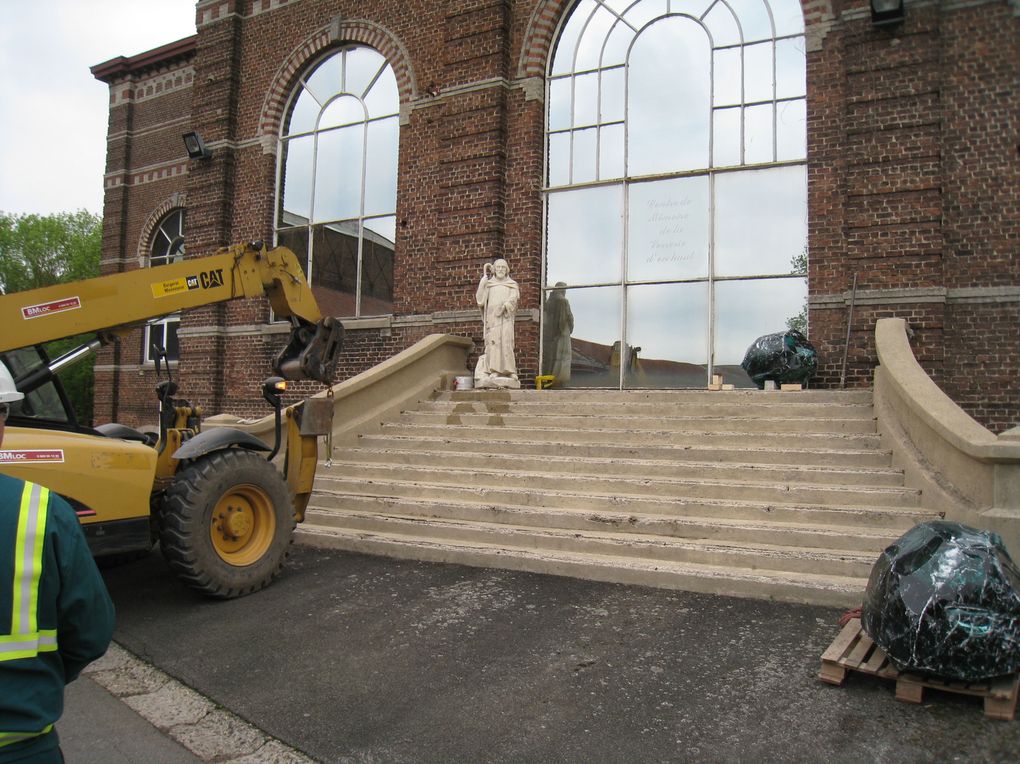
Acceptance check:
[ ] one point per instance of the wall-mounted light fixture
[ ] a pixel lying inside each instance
(196, 146)
(885, 12)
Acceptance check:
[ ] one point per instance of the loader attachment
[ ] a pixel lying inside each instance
(311, 351)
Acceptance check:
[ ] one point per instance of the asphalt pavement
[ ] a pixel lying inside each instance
(352, 658)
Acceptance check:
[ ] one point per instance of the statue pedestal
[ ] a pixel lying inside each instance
(492, 382)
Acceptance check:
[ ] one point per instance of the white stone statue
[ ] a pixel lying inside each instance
(497, 296)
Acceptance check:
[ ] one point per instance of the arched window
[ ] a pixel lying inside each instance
(676, 186)
(167, 247)
(337, 190)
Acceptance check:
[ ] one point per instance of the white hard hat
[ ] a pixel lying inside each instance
(8, 392)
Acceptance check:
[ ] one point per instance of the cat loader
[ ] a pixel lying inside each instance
(221, 510)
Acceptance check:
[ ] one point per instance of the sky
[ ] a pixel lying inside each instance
(54, 112)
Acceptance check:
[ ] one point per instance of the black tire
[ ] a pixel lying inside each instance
(226, 523)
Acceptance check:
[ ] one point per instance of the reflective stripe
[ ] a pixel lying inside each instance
(9, 738)
(26, 640)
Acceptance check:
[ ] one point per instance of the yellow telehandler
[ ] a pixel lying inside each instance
(222, 512)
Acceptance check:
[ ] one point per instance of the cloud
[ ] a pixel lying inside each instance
(53, 135)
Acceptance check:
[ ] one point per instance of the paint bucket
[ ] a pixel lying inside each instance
(463, 383)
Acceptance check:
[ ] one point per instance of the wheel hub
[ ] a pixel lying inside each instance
(242, 525)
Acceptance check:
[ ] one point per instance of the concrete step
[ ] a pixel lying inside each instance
(331, 488)
(657, 548)
(672, 397)
(451, 442)
(760, 425)
(731, 436)
(623, 467)
(676, 488)
(832, 591)
(719, 407)
(857, 539)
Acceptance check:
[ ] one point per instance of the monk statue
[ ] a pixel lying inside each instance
(497, 296)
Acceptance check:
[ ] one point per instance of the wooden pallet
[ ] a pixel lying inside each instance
(853, 650)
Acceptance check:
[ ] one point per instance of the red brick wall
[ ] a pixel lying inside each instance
(912, 163)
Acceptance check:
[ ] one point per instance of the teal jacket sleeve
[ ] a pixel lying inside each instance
(85, 615)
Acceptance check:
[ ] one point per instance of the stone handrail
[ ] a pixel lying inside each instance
(963, 469)
(362, 402)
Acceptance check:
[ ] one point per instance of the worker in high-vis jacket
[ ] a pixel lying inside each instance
(56, 616)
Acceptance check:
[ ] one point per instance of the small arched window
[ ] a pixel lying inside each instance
(337, 188)
(167, 247)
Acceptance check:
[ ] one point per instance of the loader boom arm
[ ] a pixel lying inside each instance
(108, 305)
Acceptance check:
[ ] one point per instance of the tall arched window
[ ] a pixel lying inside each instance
(337, 190)
(676, 186)
(167, 247)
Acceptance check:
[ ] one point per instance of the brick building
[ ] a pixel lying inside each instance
(669, 167)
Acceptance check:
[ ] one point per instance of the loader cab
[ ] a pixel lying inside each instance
(45, 404)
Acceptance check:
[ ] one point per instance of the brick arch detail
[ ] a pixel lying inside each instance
(544, 22)
(176, 201)
(339, 32)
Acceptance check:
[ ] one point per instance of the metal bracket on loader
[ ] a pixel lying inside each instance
(311, 351)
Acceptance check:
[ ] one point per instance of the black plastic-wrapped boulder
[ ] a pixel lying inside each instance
(944, 600)
(785, 357)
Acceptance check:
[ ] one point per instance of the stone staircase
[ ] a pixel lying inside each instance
(770, 495)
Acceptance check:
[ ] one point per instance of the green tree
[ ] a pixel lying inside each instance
(41, 250)
(798, 264)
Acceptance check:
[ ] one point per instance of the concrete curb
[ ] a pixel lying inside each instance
(197, 723)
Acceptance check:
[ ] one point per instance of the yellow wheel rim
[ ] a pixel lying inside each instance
(243, 525)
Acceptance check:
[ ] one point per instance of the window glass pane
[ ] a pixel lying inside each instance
(747, 310)
(377, 266)
(788, 16)
(791, 68)
(758, 72)
(761, 220)
(584, 237)
(361, 65)
(758, 134)
(611, 152)
(791, 130)
(668, 235)
(669, 115)
(667, 336)
(345, 110)
(596, 319)
(589, 52)
(296, 240)
(172, 344)
(154, 338)
(585, 142)
(586, 100)
(641, 13)
(726, 138)
(383, 227)
(381, 166)
(303, 115)
(754, 19)
(334, 275)
(384, 97)
(559, 159)
(617, 45)
(563, 60)
(695, 8)
(324, 82)
(727, 77)
(338, 168)
(559, 103)
(722, 26)
(613, 95)
(296, 194)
